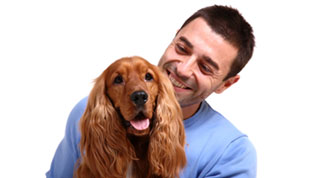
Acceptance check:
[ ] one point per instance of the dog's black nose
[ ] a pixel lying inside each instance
(139, 97)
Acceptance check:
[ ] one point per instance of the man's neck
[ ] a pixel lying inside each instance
(189, 111)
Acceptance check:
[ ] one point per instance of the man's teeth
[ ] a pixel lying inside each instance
(176, 83)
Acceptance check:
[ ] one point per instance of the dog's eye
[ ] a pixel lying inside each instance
(118, 79)
(148, 77)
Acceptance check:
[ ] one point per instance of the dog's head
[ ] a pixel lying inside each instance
(132, 86)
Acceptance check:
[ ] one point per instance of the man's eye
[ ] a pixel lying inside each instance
(206, 69)
(180, 49)
(118, 79)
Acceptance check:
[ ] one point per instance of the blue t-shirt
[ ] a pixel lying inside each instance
(214, 147)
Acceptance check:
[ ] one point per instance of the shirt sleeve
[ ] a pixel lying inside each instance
(239, 160)
(68, 152)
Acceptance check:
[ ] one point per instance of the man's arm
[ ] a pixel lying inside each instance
(239, 160)
(68, 152)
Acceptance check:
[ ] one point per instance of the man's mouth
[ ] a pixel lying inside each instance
(175, 82)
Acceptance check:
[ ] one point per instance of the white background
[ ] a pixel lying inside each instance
(50, 52)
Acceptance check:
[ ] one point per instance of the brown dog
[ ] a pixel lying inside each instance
(132, 123)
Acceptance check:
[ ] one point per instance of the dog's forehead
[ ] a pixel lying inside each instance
(129, 65)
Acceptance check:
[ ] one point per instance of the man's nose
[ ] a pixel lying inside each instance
(186, 67)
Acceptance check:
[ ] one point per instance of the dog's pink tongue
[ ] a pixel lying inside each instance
(140, 124)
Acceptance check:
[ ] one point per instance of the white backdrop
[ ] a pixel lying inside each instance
(50, 52)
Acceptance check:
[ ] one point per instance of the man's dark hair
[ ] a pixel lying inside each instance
(231, 25)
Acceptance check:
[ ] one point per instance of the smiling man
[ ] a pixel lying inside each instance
(206, 55)
(197, 61)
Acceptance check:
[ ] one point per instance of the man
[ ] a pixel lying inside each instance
(205, 56)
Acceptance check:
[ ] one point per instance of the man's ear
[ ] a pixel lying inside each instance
(227, 83)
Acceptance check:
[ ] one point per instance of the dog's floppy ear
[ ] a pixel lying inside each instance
(166, 147)
(101, 154)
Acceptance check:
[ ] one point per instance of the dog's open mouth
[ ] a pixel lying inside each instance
(140, 122)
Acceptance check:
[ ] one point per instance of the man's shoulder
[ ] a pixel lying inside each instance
(78, 110)
(211, 138)
(72, 126)
(81, 105)
(225, 126)
(209, 120)
(214, 132)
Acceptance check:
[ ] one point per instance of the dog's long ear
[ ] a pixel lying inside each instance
(166, 147)
(105, 150)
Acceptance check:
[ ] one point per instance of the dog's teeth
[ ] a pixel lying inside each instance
(176, 83)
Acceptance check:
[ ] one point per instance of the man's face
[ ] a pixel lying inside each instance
(197, 61)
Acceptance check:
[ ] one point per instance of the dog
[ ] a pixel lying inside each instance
(132, 125)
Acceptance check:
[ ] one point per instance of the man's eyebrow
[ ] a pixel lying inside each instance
(186, 41)
(211, 62)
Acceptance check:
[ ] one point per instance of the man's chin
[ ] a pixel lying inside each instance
(182, 101)
(186, 102)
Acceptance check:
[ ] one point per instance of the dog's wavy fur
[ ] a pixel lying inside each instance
(109, 147)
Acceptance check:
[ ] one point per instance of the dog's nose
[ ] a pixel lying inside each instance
(139, 97)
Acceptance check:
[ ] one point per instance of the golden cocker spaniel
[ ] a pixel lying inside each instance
(132, 125)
